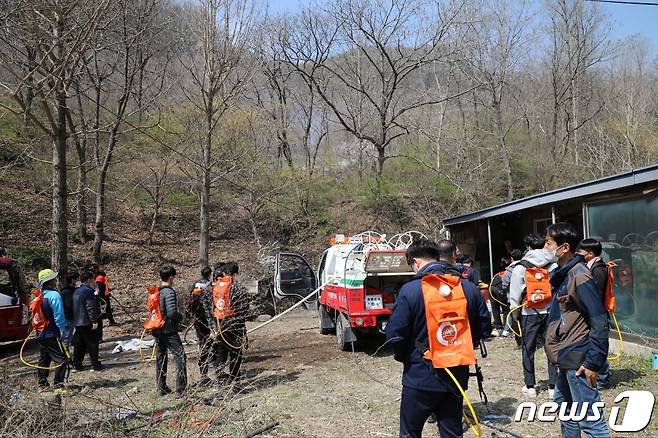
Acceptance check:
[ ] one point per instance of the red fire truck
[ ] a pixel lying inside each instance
(14, 302)
(359, 277)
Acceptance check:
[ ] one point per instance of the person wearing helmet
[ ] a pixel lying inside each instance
(51, 346)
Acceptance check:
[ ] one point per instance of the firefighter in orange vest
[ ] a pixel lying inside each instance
(230, 311)
(437, 322)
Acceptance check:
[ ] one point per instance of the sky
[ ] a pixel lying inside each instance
(627, 19)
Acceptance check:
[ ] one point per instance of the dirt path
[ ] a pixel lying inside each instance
(297, 377)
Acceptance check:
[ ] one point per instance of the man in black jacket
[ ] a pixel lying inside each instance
(72, 283)
(85, 319)
(232, 331)
(591, 251)
(167, 338)
(426, 390)
(200, 308)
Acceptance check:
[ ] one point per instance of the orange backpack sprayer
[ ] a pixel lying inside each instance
(221, 298)
(154, 320)
(610, 304)
(448, 330)
(39, 320)
(39, 323)
(223, 308)
(538, 291)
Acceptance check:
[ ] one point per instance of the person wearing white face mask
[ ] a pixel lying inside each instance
(577, 333)
(533, 316)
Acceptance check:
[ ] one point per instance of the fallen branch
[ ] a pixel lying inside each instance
(260, 430)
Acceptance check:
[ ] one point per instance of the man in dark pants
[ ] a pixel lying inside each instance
(72, 282)
(427, 390)
(200, 308)
(85, 318)
(51, 346)
(591, 250)
(577, 335)
(231, 330)
(167, 338)
(533, 320)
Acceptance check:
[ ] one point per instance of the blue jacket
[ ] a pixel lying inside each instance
(407, 327)
(53, 309)
(85, 307)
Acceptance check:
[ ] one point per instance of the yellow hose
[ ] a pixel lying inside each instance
(520, 333)
(498, 301)
(234, 347)
(26, 363)
(621, 339)
(477, 430)
(140, 349)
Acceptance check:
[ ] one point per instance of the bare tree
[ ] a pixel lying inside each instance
(51, 39)
(500, 34)
(219, 64)
(119, 63)
(368, 53)
(578, 41)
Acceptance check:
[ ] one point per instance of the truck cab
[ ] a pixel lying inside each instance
(14, 302)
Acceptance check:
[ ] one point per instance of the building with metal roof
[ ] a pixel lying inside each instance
(620, 210)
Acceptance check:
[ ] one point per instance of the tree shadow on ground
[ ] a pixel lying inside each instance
(503, 406)
(373, 344)
(618, 377)
(260, 357)
(107, 383)
(251, 381)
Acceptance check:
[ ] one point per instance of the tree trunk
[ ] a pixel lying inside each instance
(80, 199)
(28, 125)
(204, 199)
(60, 192)
(154, 219)
(507, 165)
(99, 228)
(381, 158)
(100, 216)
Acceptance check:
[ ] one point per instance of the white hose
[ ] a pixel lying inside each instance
(292, 307)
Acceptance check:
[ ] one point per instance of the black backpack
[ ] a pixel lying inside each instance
(496, 288)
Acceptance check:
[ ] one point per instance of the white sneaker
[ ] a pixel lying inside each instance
(495, 332)
(551, 393)
(529, 392)
(505, 334)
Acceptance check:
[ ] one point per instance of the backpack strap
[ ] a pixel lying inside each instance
(526, 264)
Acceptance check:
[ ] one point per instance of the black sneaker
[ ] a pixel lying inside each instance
(179, 395)
(100, 367)
(164, 391)
(77, 369)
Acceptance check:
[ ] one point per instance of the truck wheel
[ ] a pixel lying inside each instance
(344, 335)
(327, 326)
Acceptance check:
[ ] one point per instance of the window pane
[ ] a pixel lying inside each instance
(628, 230)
